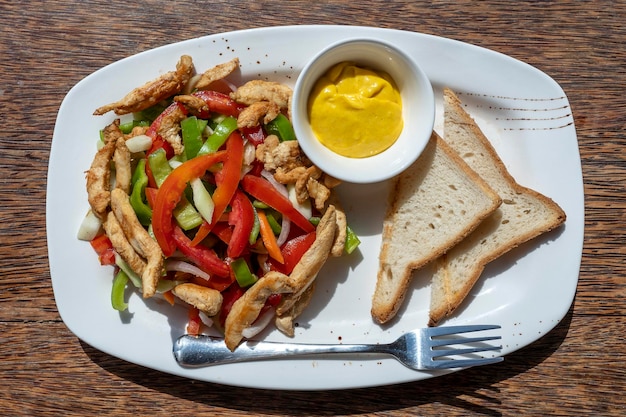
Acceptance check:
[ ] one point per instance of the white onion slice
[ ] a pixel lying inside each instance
(208, 321)
(262, 259)
(182, 266)
(202, 199)
(230, 85)
(249, 156)
(259, 324)
(249, 153)
(89, 227)
(191, 84)
(285, 228)
(174, 163)
(245, 169)
(280, 187)
(139, 143)
(305, 208)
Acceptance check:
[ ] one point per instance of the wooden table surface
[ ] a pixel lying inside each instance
(47, 47)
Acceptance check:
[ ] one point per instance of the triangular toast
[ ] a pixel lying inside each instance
(523, 215)
(433, 205)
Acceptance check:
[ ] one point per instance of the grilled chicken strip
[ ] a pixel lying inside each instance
(217, 73)
(284, 322)
(121, 245)
(141, 241)
(203, 298)
(259, 90)
(251, 116)
(247, 308)
(154, 91)
(170, 129)
(306, 270)
(123, 170)
(99, 174)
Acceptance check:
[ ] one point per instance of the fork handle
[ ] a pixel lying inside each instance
(195, 351)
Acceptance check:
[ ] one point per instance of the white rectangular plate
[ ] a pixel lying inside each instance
(523, 111)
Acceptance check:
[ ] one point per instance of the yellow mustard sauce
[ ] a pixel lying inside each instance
(354, 111)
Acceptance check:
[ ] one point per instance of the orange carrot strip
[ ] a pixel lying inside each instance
(169, 297)
(269, 240)
(203, 231)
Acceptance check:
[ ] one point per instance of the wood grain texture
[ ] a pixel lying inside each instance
(47, 47)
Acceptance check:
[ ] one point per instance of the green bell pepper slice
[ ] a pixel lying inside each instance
(352, 241)
(186, 215)
(273, 221)
(244, 277)
(159, 166)
(221, 132)
(117, 291)
(260, 205)
(256, 228)
(191, 129)
(139, 182)
(152, 112)
(281, 127)
(129, 126)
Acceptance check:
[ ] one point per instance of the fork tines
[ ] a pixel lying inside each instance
(437, 340)
(449, 330)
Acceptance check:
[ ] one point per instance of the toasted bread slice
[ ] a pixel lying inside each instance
(523, 215)
(433, 205)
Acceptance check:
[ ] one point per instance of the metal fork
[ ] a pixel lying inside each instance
(423, 349)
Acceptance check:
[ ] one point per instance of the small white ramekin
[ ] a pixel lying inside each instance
(418, 110)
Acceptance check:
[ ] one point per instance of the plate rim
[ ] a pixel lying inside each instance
(278, 29)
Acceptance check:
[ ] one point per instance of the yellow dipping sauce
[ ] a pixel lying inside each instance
(354, 111)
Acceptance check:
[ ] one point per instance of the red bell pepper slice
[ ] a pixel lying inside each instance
(261, 189)
(104, 248)
(151, 193)
(257, 168)
(272, 302)
(170, 193)
(274, 299)
(159, 143)
(205, 258)
(242, 218)
(218, 103)
(254, 135)
(205, 229)
(227, 179)
(232, 294)
(292, 251)
(223, 232)
(194, 323)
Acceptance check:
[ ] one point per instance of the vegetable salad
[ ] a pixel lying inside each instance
(204, 198)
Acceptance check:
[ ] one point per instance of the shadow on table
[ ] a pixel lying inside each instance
(474, 390)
